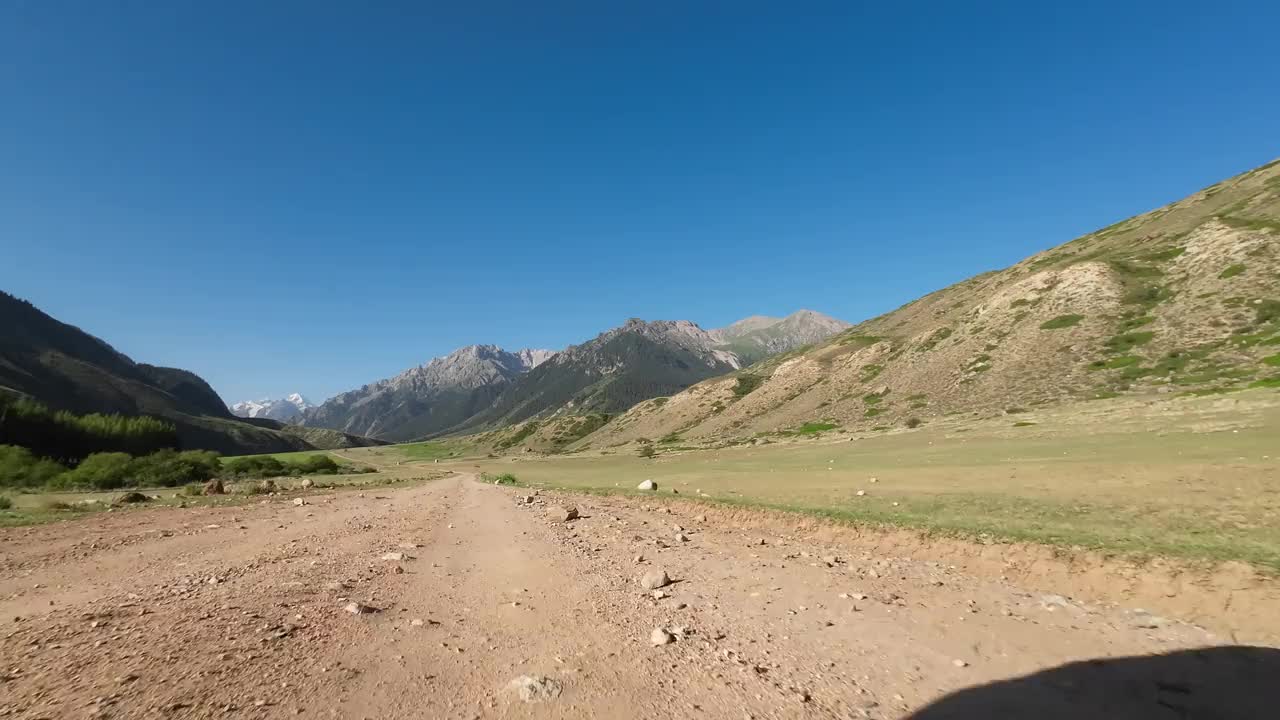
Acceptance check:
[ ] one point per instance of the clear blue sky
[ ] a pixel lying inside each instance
(308, 196)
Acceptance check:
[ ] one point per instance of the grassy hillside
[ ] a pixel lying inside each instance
(1181, 300)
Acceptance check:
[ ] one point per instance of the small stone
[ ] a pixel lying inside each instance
(528, 499)
(655, 579)
(760, 542)
(639, 558)
(700, 518)
(395, 556)
(335, 586)
(959, 663)
(681, 537)
(299, 502)
(308, 483)
(416, 622)
(397, 570)
(562, 514)
(861, 493)
(830, 560)
(356, 608)
(647, 485)
(659, 594)
(660, 636)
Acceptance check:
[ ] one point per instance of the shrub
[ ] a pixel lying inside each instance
(1124, 341)
(1062, 321)
(313, 465)
(1231, 271)
(646, 451)
(257, 466)
(169, 468)
(745, 384)
(1272, 360)
(5, 502)
(20, 469)
(914, 422)
(502, 479)
(101, 471)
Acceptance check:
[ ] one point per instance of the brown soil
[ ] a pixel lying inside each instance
(233, 612)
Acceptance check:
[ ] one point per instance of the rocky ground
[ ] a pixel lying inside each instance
(457, 599)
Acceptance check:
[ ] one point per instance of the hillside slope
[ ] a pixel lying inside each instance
(1182, 299)
(66, 368)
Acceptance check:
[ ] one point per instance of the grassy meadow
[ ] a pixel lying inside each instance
(1189, 494)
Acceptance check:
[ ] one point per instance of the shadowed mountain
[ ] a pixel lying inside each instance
(66, 368)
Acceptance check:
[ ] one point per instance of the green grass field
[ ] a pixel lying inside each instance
(1193, 495)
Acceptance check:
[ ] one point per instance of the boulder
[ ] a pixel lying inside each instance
(647, 485)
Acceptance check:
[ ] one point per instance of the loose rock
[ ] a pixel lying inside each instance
(660, 636)
(356, 608)
(214, 487)
(655, 579)
(563, 514)
(647, 485)
(308, 483)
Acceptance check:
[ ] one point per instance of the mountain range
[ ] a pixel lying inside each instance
(483, 386)
(285, 409)
(1184, 299)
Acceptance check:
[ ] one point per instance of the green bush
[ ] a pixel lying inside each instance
(100, 471)
(1062, 321)
(646, 451)
(5, 502)
(914, 422)
(745, 384)
(312, 465)
(169, 468)
(20, 469)
(501, 479)
(1231, 271)
(254, 466)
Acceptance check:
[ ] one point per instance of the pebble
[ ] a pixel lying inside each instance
(660, 636)
(299, 502)
(959, 663)
(563, 514)
(356, 608)
(395, 556)
(647, 485)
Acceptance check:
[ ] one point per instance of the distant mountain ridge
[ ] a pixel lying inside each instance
(484, 386)
(285, 409)
(757, 337)
(428, 398)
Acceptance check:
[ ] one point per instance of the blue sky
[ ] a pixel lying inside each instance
(309, 196)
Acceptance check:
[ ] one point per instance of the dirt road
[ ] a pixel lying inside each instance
(239, 612)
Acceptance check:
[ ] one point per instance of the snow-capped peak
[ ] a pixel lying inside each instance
(286, 409)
